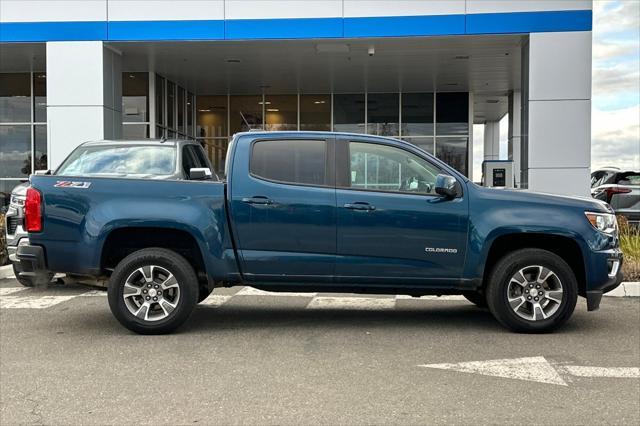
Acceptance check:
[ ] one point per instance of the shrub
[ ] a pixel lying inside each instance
(630, 244)
(4, 256)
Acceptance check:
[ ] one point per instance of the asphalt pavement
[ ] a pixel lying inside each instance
(250, 357)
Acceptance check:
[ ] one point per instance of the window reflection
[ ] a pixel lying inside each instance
(15, 151)
(281, 112)
(315, 112)
(159, 101)
(417, 114)
(135, 97)
(383, 113)
(452, 114)
(40, 97)
(40, 144)
(453, 151)
(15, 98)
(212, 116)
(348, 113)
(246, 113)
(426, 143)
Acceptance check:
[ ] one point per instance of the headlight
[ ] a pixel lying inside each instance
(604, 222)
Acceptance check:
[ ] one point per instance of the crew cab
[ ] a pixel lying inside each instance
(322, 212)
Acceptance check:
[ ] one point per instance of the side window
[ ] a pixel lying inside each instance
(188, 160)
(385, 168)
(199, 156)
(290, 161)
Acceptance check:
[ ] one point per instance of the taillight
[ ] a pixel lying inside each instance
(33, 210)
(615, 190)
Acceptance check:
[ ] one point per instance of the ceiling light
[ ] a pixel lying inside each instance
(204, 110)
(233, 61)
(451, 84)
(318, 102)
(492, 101)
(462, 57)
(132, 76)
(264, 103)
(273, 110)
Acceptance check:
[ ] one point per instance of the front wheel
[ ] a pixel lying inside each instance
(153, 291)
(532, 291)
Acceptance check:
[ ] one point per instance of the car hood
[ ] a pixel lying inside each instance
(526, 196)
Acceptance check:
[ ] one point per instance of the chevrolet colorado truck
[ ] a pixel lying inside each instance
(321, 212)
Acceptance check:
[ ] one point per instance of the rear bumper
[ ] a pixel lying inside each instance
(31, 264)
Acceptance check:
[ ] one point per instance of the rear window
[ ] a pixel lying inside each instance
(628, 179)
(120, 161)
(290, 161)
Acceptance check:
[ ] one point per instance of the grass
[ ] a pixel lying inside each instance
(630, 244)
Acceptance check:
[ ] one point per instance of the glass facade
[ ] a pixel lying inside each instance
(135, 105)
(436, 122)
(175, 110)
(23, 129)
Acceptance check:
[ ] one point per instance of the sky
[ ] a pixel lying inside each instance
(615, 107)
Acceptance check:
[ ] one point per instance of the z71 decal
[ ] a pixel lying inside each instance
(70, 184)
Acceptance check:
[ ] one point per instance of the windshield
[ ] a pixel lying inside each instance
(120, 161)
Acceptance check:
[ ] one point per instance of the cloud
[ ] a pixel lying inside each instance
(615, 121)
(616, 138)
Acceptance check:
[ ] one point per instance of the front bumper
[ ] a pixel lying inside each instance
(31, 264)
(614, 260)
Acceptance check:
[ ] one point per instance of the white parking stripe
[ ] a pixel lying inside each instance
(215, 300)
(250, 291)
(615, 372)
(94, 293)
(33, 302)
(452, 298)
(10, 290)
(356, 303)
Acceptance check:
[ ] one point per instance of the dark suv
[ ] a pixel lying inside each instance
(619, 188)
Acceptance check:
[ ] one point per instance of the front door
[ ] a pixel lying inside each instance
(283, 208)
(392, 226)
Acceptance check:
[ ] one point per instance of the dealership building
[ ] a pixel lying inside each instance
(421, 70)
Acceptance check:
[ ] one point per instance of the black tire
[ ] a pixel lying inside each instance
(498, 290)
(167, 260)
(477, 298)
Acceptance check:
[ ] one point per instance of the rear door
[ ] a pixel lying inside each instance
(392, 226)
(283, 207)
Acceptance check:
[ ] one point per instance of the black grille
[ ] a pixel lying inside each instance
(12, 224)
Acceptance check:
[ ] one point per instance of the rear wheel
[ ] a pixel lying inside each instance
(532, 290)
(153, 291)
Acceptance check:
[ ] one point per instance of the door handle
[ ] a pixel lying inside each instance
(359, 206)
(258, 199)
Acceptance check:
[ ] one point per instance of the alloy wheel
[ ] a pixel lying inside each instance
(535, 293)
(151, 293)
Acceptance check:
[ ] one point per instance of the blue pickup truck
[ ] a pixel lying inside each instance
(316, 211)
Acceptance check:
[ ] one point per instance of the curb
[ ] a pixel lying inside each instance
(6, 271)
(626, 289)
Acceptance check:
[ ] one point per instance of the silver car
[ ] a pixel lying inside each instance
(619, 188)
(144, 159)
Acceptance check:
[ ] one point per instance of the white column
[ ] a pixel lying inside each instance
(515, 133)
(559, 122)
(492, 140)
(84, 95)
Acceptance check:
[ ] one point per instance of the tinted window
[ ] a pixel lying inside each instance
(189, 160)
(293, 161)
(120, 161)
(385, 168)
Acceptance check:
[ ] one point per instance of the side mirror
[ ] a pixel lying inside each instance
(199, 173)
(447, 186)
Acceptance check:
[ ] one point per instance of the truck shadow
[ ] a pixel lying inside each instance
(258, 317)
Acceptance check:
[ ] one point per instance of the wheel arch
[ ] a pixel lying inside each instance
(566, 247)
(119, 242)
